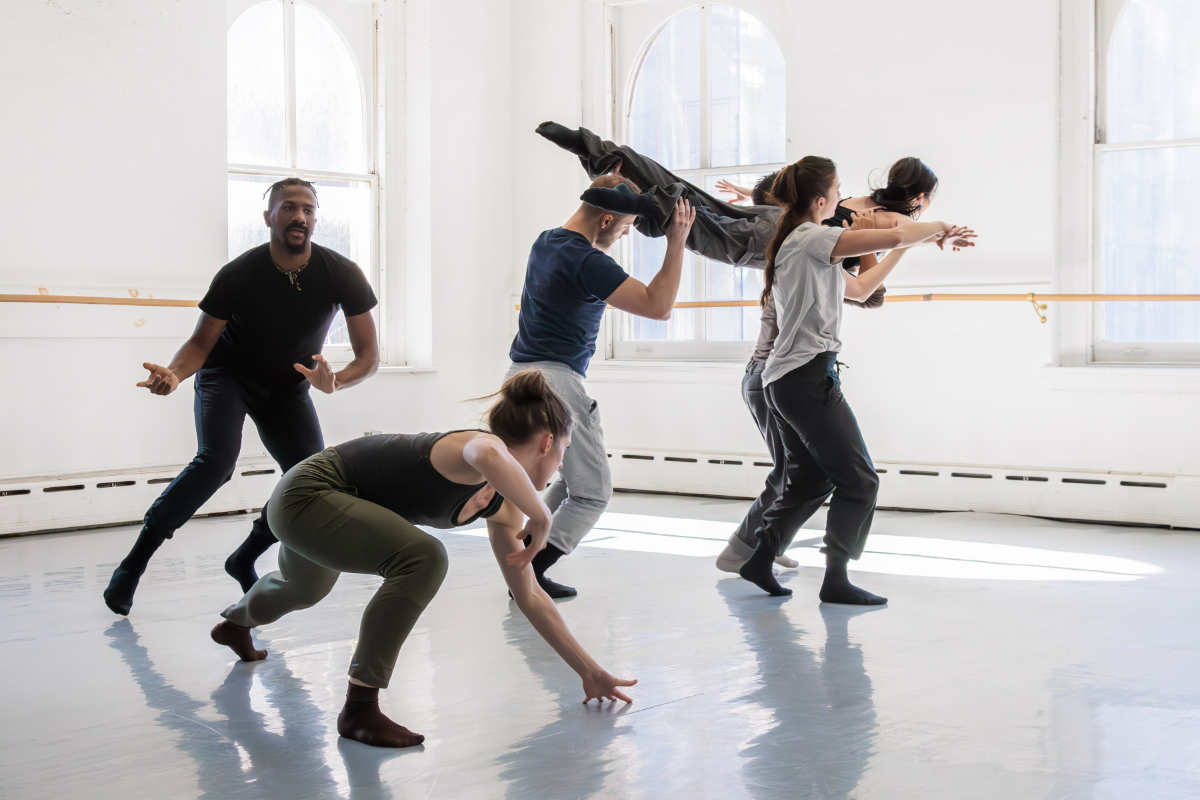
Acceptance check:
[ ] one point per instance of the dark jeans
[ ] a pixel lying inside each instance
(287, 424)
(722, 231)
(825, 453)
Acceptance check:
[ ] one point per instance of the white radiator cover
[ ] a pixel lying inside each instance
(51, 503)
(1138, 498)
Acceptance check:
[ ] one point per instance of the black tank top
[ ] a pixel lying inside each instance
(841, 215)
(394, 471)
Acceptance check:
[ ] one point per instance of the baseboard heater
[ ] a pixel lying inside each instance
(1110, 497)
(67, 502)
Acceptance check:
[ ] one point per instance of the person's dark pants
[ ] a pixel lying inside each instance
(792, 511)
(287, 424)
(710, 235)
(756, 401)
(825, 452)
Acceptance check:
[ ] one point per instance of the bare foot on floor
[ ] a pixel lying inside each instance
(237, 639)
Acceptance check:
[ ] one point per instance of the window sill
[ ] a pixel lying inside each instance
(653, 371)
(1123, 378)
(403, 369)
(388, 369)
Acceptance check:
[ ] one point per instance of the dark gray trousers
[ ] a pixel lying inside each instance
(825, 453)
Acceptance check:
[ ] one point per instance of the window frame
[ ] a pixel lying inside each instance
(1086, 28)
(370, 98)
(618, 339)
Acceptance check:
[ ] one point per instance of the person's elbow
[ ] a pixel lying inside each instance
(660, 308)
(652, 307)
(857, 292)
(372, 364)
(368, 358)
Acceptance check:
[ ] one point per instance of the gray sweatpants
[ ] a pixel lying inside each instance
(582, 491)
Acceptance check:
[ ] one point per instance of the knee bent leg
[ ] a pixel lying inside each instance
(423, 561)
(217, 464)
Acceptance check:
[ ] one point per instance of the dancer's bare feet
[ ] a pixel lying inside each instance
(237, 638)
(362, 721)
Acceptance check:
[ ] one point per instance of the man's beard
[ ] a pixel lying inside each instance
(295, 249)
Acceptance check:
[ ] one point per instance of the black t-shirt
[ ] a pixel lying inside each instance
(394, 471)
(271, 325)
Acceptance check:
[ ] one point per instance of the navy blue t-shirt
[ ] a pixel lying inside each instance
(566, 283)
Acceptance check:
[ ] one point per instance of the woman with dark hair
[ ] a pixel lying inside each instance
(355, 508)
(823, 447)
(908, 193)
(908, 179)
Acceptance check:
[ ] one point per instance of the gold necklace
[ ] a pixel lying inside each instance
(293, 275)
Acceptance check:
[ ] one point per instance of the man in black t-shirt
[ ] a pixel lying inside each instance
(256, 351)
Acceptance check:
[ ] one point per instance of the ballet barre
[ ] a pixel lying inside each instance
(97, 301)
(1038, 300)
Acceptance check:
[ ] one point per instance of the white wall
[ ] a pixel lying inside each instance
(974, 93)
(115, 180)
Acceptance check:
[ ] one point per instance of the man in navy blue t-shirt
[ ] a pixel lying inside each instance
(569, 280)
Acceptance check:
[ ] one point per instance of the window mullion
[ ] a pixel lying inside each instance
(705, 88)
(699, 268)
(289, 71)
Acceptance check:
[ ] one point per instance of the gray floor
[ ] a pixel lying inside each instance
(1019, 659)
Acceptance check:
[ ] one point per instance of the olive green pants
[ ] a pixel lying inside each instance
(325, 530)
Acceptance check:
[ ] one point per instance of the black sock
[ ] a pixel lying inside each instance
(758, 569)
(118, 595)
(240, 564)
(837, 588)
(147, 544)
(362, 721)
(567, 138)
(542, 562)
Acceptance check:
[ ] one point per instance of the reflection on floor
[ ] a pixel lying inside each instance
(1019, 658)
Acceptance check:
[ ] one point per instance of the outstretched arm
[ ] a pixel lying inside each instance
(504, 531)
(861, 242)
(189, 358)
(741, 194)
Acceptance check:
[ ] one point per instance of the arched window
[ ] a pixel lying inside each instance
(708, 102)
(1147, 171)
(300, 100)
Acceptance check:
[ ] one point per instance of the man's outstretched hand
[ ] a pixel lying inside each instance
(321, 375)
(161, 380)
